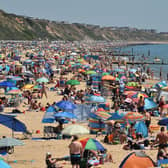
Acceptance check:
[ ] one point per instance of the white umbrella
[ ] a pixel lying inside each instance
(75, 130)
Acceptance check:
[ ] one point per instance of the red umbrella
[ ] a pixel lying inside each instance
(165, 106)
(100, 109)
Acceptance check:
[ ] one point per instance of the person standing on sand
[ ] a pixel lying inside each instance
(162, 139)
(76, 152)
(43, 91)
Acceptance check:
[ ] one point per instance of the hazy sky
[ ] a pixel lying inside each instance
(133, 13)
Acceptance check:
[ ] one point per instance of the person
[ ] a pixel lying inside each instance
(131, 131)
(148, 119)
(43, 91)
(51, 162)
(161, 104)
(162, 139)
(141, 104)
(76, 152)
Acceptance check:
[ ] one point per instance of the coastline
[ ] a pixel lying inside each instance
(131, 43)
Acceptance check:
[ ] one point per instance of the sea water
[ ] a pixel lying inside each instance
(148, 53)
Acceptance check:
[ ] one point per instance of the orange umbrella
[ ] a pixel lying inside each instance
(108, 77)
(81, 70)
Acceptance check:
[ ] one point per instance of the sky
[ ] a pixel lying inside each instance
(147, 14)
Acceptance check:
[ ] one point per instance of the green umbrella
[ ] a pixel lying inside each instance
(90, 72)
(42, 80)
(5, 142)
(105, 73)
(37, 87)
(75, 130)
(73, 82)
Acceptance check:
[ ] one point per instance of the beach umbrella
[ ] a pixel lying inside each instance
(149, 104)
(73, 82)
(130, 92)
(66, 115)
(132, 70)
(15, 78)
(81, 70)
(165, 106)
(5, 142)
(116, 116)
(128, 100)
(91, 144)
(42, 80)
(134, 84)
(133, 116)
(163, 122)
(37, 87)
(7, 84)
(75, 130)
(108, 77)
(4, 164)
(28, 87)
(28, 61)
(103, 114)
(96, 99)
(123, 77)
(28, 74)
(105, 73)
(14, 91)
(118, 70)
(66, 105)
(90, 72)
(138, 95)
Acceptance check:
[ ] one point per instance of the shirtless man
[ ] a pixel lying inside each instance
(43, 91)
(75, 152)
(148, 119)
(162, 139)
(141, 104)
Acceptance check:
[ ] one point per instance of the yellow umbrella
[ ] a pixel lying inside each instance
(28, 86)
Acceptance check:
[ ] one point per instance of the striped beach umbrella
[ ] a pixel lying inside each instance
(133, 116)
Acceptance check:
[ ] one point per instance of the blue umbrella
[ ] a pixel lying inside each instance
(65, 115)
(66, 105)
(116, 116)
(96, 99)
(7, 84)
(163, 121)
(12, 123)
(149, 104)
(4, 165)
(132, 70)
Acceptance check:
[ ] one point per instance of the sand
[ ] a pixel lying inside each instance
(32, 154)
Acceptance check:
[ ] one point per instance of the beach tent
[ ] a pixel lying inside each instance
(12, 123)
(149, 104)
(49, 115)
(141, 128)
(137, 160)
(82, 111)
(96, 123)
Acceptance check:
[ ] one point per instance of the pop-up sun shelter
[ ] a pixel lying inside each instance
(137, 160)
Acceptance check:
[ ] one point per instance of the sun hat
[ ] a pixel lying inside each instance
(48, 153)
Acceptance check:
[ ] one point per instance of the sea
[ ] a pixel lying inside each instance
(149, 53)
